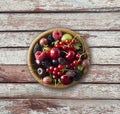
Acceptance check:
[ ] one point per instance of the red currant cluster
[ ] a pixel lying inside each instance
(56, 70)
(60, 58)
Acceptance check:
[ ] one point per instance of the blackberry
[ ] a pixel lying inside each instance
(62, 61)
(84, 56)
(36, 48)
(78, 75)
(50, 39)
(46, 63)
(62, 54)
(55, 62)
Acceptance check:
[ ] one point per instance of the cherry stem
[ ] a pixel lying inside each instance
(55, 82)
(65, 52)
(80, 56)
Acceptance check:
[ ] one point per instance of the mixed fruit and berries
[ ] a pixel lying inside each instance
(60, 58)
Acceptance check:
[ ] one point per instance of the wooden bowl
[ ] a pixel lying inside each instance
(30, 56)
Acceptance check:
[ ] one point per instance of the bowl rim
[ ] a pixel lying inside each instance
(29, 55)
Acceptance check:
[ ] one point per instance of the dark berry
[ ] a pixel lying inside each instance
(41, 72)
(46, 63)
(80, 51)
(36, 48)
(62, 61)
(55, 62)
(78, 75)
(62, 54)
(70, 73)
(84, 56)
(50, 39)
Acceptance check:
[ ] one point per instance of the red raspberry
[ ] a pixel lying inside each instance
(37, 54)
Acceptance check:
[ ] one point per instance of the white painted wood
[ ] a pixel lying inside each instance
(43, 21)
(93, 38)
(58, 5)
(98, 55)
(56, 106)
(96, 74)
(79, 91)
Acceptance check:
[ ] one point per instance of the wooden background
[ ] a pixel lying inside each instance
(98, 21)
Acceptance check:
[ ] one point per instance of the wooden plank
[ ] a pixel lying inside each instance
(79, 91)
(42, 21)
(96, 74)
(58, 106)
(58, 5)
(93, 38)
(99, 55)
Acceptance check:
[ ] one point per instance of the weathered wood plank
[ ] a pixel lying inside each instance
(58, 106)
(96, 74)
(99, 55)
(58, 5)
(79, 91)
(43, 21)
(93, 38)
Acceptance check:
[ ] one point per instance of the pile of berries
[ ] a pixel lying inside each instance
(60, 58)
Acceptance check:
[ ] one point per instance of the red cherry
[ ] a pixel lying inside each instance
(75, 62)
(65, 79)
(70, 55)
(54, 53)
(60, 66)
(51, 68)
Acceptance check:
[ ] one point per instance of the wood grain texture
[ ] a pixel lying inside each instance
(48, 106)
(79, 91)
(93, 38)
(99, 55)
(58, 5)
(96, 74)
(43, 21)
